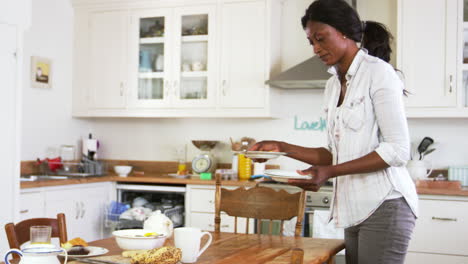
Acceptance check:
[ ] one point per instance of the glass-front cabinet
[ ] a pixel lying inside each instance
(464, 62)
(171, 57)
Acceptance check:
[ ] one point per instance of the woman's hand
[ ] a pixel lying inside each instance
(320, 174)
(268, 145)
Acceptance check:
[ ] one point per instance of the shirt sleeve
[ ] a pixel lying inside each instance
(387, 97)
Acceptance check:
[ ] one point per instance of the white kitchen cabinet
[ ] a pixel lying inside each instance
(243, 57)
(84, 207)
(431, 60)
(200, 210)
(440, 231)
(172, 57)
(423, 258)
(82, 204)
(184, 59)
(107, 69)
(32, 204)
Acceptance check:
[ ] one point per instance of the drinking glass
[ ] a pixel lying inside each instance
(40, 234)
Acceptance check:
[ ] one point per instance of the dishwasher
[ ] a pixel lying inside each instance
(143, 199)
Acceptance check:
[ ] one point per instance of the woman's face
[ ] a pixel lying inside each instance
(329, 44)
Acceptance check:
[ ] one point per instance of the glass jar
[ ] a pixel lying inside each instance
(244, 167)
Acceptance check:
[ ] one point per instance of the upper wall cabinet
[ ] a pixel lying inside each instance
(166, 59)
(432, 62)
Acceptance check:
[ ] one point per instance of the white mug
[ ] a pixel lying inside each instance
(418, 170)
(188, 239)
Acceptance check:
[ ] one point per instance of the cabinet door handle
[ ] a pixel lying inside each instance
(167, 85)
(175, 85)
(444, 218)
(210, 201)
(82, 209)
(121, 88)
(77, 208)
(24, 211)
(223, 87)
(450, 83)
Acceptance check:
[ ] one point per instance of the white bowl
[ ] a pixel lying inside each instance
(134, 239)
(122, 171)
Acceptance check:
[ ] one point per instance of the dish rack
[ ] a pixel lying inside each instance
(84, 168)
(458, 173)
(112, 220)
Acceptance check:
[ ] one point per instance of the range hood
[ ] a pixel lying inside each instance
(311, 73)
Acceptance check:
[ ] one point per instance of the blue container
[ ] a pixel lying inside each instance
(458, 173)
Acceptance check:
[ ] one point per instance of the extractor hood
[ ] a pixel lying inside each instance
(311, 73)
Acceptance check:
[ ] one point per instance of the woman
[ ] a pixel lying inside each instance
(375, 199)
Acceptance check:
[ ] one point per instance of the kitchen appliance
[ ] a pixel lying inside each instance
(169, 199)
(90, 147)
(205, 161)
(309, 74)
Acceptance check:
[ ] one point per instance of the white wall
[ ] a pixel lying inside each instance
(47, 121)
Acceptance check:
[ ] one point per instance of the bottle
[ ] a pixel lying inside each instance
(245, 167)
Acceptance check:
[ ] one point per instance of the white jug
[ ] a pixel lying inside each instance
(38, 255)
(418, 170)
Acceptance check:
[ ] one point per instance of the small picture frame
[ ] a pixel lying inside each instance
(41, 72)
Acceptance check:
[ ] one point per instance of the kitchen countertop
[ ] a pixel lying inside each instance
(149, 178)
(164, 179)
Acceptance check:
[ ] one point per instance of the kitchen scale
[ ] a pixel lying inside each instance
(205, 161)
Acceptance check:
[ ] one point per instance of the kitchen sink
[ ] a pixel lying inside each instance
(42, 177)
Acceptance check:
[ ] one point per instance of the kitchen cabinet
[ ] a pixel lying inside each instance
(243, 58)
(440, 233)
(82, 204)
(107, 48)
(163, 59)
(200, 210)
(431, 63)
(172, 57)
(32, 205)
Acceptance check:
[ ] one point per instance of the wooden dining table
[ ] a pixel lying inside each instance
(253, 248)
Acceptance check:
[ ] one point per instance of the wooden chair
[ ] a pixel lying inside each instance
(259, 203)
(19, 234)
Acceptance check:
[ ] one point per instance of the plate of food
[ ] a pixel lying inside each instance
(78, 247)
(285, 175)
(262, 154)
(89, 251)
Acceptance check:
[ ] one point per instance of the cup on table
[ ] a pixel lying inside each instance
(188, 239)
(40, 234)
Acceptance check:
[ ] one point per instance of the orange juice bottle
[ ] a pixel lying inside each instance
(244, 167)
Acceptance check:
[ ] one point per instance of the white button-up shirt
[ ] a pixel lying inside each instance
(371, 118)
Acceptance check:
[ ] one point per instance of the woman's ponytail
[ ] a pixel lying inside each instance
(376, 39)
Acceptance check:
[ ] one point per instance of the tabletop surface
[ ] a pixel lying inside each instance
(253, 248)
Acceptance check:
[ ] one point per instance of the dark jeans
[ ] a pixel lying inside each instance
(383, 237)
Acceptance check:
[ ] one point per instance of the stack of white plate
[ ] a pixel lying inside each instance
(285, 175)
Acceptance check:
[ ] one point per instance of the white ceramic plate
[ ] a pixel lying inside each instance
(261, 154)
(285, 175)
(93, 251)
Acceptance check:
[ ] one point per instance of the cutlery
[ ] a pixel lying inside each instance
(93, 261)
(427, 152)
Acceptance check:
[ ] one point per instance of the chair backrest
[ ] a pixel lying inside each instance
(259, 203)
(19, 234)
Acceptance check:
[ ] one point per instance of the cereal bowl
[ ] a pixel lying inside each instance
(135, 239)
